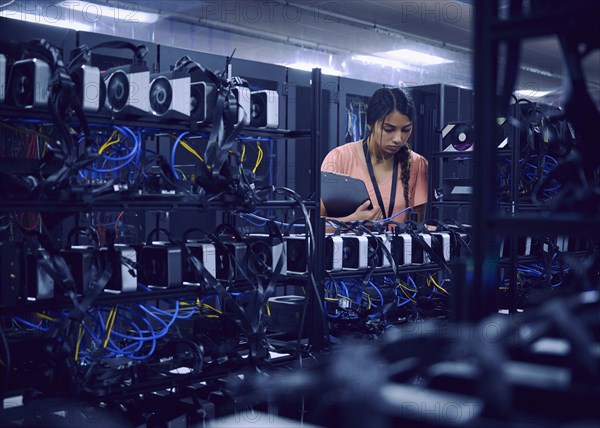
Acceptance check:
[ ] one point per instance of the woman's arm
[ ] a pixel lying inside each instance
(362, 213)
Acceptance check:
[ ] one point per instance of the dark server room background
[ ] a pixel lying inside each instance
(163, 261)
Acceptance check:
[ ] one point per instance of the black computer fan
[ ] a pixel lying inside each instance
(117, 91)
(161, 96)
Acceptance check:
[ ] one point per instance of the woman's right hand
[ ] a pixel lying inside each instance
(364, 213)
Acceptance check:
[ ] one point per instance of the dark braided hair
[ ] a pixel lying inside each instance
(383, 102)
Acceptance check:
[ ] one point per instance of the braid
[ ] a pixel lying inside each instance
(404, 158)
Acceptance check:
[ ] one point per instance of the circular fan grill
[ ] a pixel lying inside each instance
(258, 108)
(461, 137)
(161, 96)
(22, 87)
(117, 91)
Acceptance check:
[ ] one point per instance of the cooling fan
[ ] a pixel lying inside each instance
(458, 137)
(161, 96)
(29, 83)
(170, 95)
(297, 254)
(117, 91)
(127, 90)
(264, 106)
(265, 252)
(203, 97)
(355, 252)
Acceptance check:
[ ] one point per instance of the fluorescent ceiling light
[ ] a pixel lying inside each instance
(413, 57)
(95, 12)
(308, 67)
(370, 59)
(53, 21)
(530, 93)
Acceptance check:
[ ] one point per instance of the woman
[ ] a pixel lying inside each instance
(395, 176)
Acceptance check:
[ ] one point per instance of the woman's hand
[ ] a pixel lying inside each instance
(364, 213)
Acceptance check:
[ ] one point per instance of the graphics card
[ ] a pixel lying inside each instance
(2, 78)
(206, 253)
(523, 247)
(402, 249)
(240, 104)
(297, 253)
(79, 260)
(123, 278)
(419, 255)
(232, 258)
(441, 244)
(127, 90)
(355, 252)
(29, 81)
(264, 108)
(203, 98)
(90, 87)
(160, 265)
(38, 282)
(334, 253)
(265, 252)
(169, 95)
(377, 254)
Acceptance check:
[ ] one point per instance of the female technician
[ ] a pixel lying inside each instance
(395, 176)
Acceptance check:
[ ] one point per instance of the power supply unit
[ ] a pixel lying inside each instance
(286, 313)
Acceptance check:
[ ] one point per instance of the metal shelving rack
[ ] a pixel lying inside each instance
(315, 323)
(492, 31)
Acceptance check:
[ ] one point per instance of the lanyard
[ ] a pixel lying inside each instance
(374, 181)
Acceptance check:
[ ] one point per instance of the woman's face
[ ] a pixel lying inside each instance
(391, 133)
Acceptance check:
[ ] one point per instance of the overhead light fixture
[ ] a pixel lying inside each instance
(530, 93)
(308, 67)
(51, 20)
(95, 12)
(413, 57)
(370, 59)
